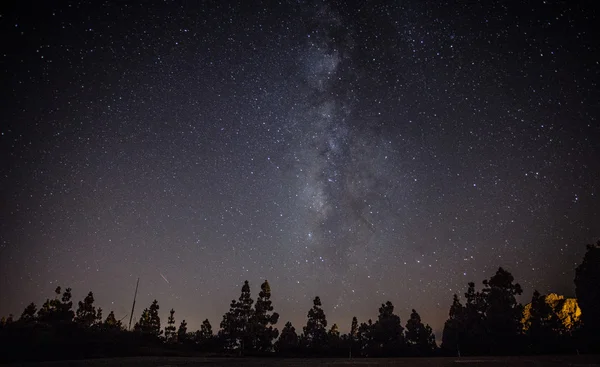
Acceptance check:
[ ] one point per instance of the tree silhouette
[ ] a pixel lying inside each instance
(182, 332)
(263, 320)
(544, 328)
(365, 339)
(503, 313)
(235, 331)
(58, 310)
(388, 332)
(587, 289)
(170, 329)
(206, 330)
(288, 340)
(419, 337)
(315, 333)
(28, 314)
(149, 322)
(86, 314)
(454, 328)
(111, 322)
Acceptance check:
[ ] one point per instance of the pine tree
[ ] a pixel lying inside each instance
(149, 322)
(58, 310)
(288, 341)
(182, 332)
(206, 332)
(28, 314)
(418, 336)
(388, 332)
(262, 320)
(111, 322)
(366, 339)
(315, 332)
(503, 313)
(235, 326)
(354, 328)
(86, 314)
(170, 329)
(453, 328)
(353, 336)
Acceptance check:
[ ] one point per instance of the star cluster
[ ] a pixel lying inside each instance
(359, 152)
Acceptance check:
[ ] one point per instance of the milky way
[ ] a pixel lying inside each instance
(358, 152)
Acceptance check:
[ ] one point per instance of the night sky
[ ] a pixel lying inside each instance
(359, 152)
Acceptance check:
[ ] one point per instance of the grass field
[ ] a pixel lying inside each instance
(575, 361)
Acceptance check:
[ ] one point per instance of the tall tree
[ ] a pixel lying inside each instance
(354, 328)
(288, 340)
(206, 330)
(503, 313)
(86, 314)
(263, 320)
(235, 330)
(182, 332)
(453, 328)
(419, 337)
(366, 339)
(149, 322)
(315, 332)
(170, 335)
(388, 332)
(587, 289)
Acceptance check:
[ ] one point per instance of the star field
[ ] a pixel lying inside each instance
(359, 152)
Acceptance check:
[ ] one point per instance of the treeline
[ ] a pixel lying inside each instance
(490, 322)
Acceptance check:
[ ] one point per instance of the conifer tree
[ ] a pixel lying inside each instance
(503, 313)
(182, 332)
(453, 328)
(86, 314)
(388, 332)
(263, 321)
(29, 312)
(149, 322)
(288, 340)
(235, 326)
(419, 337)
(315, 332)
(206, 330)
(111, 322)
(354, 328)
(170, 329)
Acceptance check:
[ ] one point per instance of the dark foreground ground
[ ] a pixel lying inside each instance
(579, 361)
